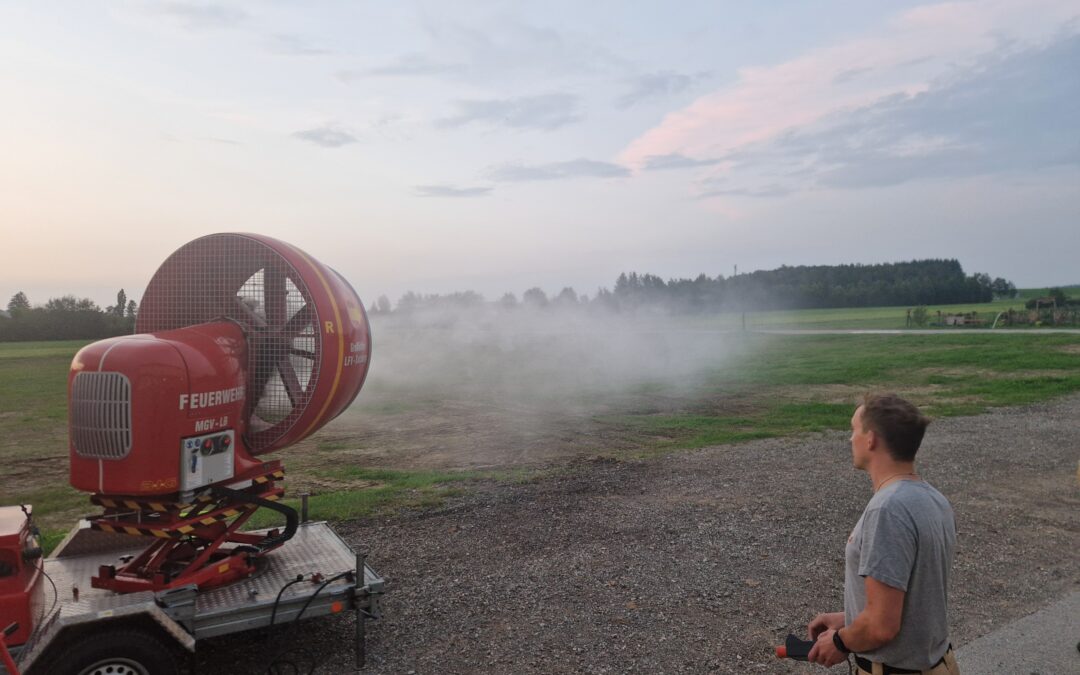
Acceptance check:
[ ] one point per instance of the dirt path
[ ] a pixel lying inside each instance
(695, 562)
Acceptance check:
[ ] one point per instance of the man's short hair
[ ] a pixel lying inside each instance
(898, 422)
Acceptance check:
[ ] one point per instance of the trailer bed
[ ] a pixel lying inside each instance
(315, 552)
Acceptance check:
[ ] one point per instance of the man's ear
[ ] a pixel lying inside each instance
(871, 440)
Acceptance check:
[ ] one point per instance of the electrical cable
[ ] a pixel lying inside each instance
(277, 662)
(319, 590)
(41, 621)
(36, 533)
(277, 600)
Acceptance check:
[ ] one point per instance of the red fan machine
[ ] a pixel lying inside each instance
(245, 345)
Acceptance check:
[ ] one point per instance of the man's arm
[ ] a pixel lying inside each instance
(875, 626)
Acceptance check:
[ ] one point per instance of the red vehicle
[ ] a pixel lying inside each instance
(244, 345)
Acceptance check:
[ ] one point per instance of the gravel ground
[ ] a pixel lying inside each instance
(696, 562)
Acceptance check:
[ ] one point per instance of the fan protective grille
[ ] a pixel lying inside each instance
(233, 277)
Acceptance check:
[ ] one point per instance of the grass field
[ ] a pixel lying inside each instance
(774, 385)
(793, 384)
(865, 318)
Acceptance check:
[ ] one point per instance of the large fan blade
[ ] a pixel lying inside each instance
(243, 311)
(275, 295)
(299, 322)
(291, 382)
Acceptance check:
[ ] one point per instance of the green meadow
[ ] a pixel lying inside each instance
(863, 318)
(789, 384)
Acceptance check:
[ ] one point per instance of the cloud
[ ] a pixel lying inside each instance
(495, 48)
(578, 168)
(451, 191)
(1007, 113)
(652, 85)
(547, 112)
(676, 161)
(406, 65)
(197, 16)
(327, 137)
(505, 48)
(902, 57)
(851, 74)
(221, 141)
(287, 44)
(772, 190)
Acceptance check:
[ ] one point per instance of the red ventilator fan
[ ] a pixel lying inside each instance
(244, 345)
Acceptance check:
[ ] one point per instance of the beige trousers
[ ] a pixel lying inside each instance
(946, 667)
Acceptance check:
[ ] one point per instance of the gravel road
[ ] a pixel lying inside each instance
(696, 562)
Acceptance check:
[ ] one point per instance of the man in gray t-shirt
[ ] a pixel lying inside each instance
(898, 557)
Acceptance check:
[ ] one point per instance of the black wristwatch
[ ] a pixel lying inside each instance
(839, 643)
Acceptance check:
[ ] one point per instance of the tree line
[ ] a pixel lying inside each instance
(911, 284)
(914, 283)
(66, 318)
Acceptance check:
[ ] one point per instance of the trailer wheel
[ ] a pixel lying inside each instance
(117, 651)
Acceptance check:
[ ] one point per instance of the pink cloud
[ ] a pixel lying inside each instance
(903, 57)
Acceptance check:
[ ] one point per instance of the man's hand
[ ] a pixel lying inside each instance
(825, 652)
(824, 622)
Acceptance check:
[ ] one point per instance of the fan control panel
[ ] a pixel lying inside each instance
(206, 459)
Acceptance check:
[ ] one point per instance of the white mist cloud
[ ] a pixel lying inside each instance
(570, 360)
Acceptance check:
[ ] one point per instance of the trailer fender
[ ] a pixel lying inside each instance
(70, 625)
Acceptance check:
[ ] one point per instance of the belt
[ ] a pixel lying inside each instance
(886, 669)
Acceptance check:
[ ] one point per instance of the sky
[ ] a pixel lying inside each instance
(498, 146)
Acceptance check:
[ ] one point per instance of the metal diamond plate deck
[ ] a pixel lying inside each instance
(314, 548)
(75, 572)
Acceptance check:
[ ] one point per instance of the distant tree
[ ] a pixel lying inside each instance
(1003, 288)
(132, 309)
(18, 303)
(567, 297)
(408, 302)
(461, 299)
(919, 282)
(382, 305)
(508, 301)
(1059, 296)
(534, 297)
(69, 303)
(121, 303)
(604, 300)
(65, 318)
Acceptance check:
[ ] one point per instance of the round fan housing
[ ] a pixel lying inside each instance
(307, 334)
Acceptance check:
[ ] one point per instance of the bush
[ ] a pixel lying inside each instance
(919, 316)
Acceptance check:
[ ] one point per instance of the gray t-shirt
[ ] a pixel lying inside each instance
(905, 539)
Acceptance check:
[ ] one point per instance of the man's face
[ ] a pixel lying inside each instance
(860, 440)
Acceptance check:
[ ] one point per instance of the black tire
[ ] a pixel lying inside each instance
(122, 650)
